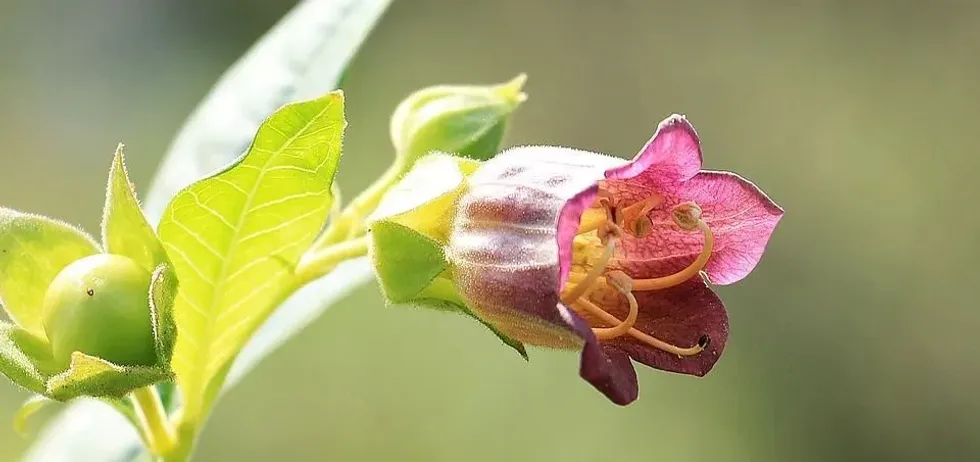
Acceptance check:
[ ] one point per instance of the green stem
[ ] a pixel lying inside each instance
(347, 225)
(153, 420)
(318, 262)
(186, 439)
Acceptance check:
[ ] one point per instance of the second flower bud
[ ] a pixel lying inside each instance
(464, 120)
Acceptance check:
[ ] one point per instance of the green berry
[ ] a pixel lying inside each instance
(99, 305)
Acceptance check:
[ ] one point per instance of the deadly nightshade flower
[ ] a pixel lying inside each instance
(564, 248)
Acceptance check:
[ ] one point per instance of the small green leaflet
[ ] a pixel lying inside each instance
(93, 376)
(403, 248)
(163, 291)
(235, 236)
(15, 364)
(125, 230)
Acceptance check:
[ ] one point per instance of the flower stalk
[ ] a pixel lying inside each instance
(156, 428)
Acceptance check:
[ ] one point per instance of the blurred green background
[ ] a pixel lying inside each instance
(852, 341)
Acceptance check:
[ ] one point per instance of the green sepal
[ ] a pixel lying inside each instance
(23, 358)
(96, 377)
(405, 261)
(125, 230)
(30, 407)
(411, 225)
(33, 250)
(163, 293)
(37, 349)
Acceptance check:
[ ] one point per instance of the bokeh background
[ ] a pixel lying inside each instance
(853, 340)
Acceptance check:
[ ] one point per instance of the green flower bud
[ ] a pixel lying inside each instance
(467, 121)
(99, 306)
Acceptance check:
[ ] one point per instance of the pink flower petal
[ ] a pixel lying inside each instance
(679, 316)
(672, 155)
(742, 219)
(610, 371)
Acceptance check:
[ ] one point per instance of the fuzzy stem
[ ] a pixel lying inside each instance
(318, 262)
(349, 223)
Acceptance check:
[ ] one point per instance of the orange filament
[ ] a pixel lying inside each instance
(643, 207)
(685, 274)
(620, 327)
(660, 283)
(632, 216)
(622, 284)
(604, 333)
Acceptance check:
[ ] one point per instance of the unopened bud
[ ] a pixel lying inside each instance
(464, 120)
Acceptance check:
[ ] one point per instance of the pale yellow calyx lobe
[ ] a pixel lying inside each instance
(594, 288)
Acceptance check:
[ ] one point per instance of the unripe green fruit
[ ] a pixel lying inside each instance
(99, 305)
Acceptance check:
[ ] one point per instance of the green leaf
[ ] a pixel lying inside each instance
(163, 292)
(33, 250)
(303, 56)
(29, 408)
(234, 237)
(17, 365)
(91, 376)
(125, 230)
(404, 260)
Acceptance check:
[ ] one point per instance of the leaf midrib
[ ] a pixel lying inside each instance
(209, 322)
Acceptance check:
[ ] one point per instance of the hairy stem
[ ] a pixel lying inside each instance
(317, 262)
(349, 223)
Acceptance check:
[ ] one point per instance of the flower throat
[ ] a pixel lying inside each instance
(591, 281)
